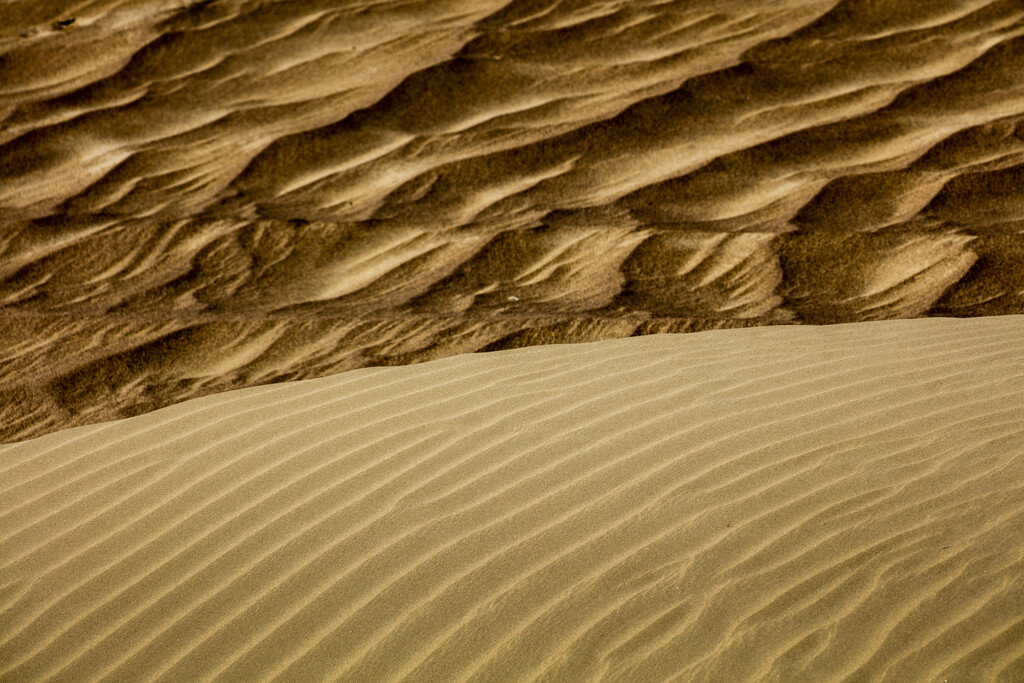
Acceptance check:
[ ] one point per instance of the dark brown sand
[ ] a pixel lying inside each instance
(202, 196)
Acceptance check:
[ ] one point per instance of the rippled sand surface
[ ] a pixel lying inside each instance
(789, 503)
(202, 196)
(200, 201)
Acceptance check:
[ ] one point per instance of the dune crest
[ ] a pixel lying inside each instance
(784, 503)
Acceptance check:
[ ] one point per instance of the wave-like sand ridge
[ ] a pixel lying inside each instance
(773, 503)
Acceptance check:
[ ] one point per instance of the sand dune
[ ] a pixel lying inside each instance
(783, 503)
(202, 198)
(326, 185)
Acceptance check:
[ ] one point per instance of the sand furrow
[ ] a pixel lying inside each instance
(745, 504)
(204, 195)
(733, 497)
(187, 516)
(339, 437)
(220, 425)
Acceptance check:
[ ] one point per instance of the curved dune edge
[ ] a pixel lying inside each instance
(795, 503)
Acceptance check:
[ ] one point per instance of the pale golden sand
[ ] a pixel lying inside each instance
(783, 503)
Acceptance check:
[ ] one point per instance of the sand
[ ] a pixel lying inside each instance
(250, 248)
(203, 196)
(779, 503)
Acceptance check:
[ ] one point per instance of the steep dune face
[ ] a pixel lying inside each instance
(196, 196)
(787, 503)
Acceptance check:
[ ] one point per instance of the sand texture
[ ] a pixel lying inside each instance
(202, 196)
(779, 503)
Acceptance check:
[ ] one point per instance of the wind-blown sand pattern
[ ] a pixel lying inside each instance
(201, 196)
(786, 503)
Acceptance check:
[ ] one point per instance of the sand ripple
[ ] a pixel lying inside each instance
(784, 503)
(197, 196)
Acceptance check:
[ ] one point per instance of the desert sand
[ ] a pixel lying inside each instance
(780, 503)
(201, 196)
(249, 250)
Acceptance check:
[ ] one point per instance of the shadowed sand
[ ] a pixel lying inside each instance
(780, 503)
(203, 196)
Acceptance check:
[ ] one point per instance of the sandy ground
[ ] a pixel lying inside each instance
(200, 196)
(200, 200)
(780, 503)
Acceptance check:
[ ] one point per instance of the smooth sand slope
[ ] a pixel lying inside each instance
(784, 503)
(323, 185)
